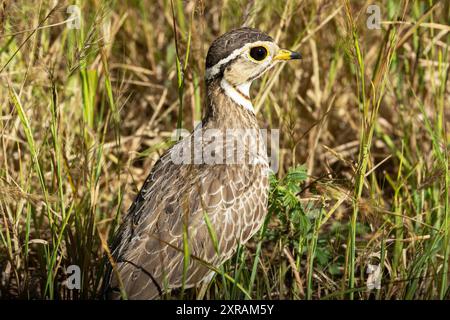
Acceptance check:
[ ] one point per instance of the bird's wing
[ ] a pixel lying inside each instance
(170, 207)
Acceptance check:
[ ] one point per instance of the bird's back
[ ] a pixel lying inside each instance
(211, 207)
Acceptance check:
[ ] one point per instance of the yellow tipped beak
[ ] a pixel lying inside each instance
(284, 55)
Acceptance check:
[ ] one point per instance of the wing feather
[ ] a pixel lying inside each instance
(149, 245)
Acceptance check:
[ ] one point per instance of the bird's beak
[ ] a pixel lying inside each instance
(284, 55)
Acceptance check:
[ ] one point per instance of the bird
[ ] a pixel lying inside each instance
(196, 207)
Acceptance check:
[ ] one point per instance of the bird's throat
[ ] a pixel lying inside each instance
(239, 94)
(229, 106)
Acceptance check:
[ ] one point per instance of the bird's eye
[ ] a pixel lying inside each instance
(258, 53)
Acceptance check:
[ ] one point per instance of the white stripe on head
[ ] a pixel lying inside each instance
(237, 95)
(215, 69)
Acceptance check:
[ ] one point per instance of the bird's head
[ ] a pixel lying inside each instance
(242, 55)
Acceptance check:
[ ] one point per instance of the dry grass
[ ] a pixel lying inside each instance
(85, 113)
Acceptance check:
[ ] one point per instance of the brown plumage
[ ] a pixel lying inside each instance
(148, 248)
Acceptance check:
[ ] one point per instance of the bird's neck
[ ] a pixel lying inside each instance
(229, 105)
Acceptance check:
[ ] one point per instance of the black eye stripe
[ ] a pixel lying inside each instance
(258, 53)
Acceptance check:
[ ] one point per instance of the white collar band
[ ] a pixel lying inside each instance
(239, 95)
